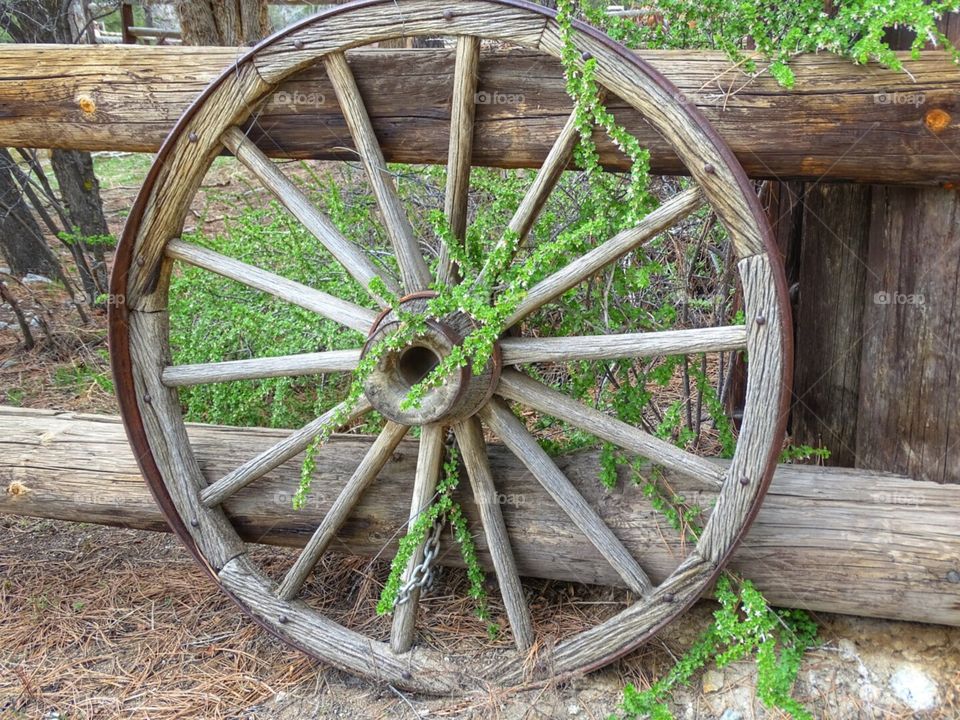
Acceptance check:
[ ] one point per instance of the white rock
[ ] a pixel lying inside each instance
(915, 688)
(712, 681)
(573, 710)
(731, 714)
(848, 649)
(869, 693)
(33, 278)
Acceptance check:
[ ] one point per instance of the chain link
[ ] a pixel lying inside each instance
(421, 577)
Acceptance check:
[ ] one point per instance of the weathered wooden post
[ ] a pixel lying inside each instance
(877, 335)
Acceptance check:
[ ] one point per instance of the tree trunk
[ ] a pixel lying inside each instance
(23, 178)
(223, 22)
(21, 240)
(81, 195)
(837, 540)
(140, 91)
(7, 297)
(56, 21)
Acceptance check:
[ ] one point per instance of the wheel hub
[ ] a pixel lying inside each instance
(457, 397)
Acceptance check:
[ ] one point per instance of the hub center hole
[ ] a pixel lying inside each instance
(416, 363)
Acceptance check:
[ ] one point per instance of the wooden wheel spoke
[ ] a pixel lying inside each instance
(341, 311)
(517, 350)
(351, 257)
(516, 437)
(534, 394)
(474, 451)
(413, 268)
(429, 461)
(667, 215)
(460, 153)
(259, 368)
(366, 472)
(284, 450)
(553, 166)
(539, 191)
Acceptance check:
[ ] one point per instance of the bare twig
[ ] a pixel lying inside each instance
(8, 298)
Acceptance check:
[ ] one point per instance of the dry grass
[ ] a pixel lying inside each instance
(100, 623)
(61, 372)
(97, 624)
(125, 628)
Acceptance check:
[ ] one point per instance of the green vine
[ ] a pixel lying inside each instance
(492, 287)
(744, 625)
(773, 33)
(443, 507)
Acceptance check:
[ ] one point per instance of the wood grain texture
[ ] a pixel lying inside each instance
(838, 129)
(908, 415)
(473, 450)
(354, 260)
(463, 106)
(614, 637)
(413, 268)
(178, 180)
(498, 417)
(257, 368)
(292, 445)
(429, 462)
(757, 440)
(826, 539)
(534, 394)
(160, 408)
(366, 472)
(342, 311)
(584, 266)
(517, 350)
(829, 318)
(539, 191)
(360, 25)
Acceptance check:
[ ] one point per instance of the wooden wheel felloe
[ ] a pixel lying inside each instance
(147, 383)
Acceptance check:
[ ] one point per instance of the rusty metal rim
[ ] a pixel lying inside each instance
(119, 313)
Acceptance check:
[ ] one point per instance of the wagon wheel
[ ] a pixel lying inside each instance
(147, 384)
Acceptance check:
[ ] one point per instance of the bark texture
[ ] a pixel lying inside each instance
(223, 22)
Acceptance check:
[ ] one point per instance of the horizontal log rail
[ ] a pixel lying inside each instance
(832, 540)
(839, 122)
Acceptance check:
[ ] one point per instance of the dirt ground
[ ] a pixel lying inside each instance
(104, 623)
(100, 623)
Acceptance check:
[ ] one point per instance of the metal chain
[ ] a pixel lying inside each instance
(421, 577)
